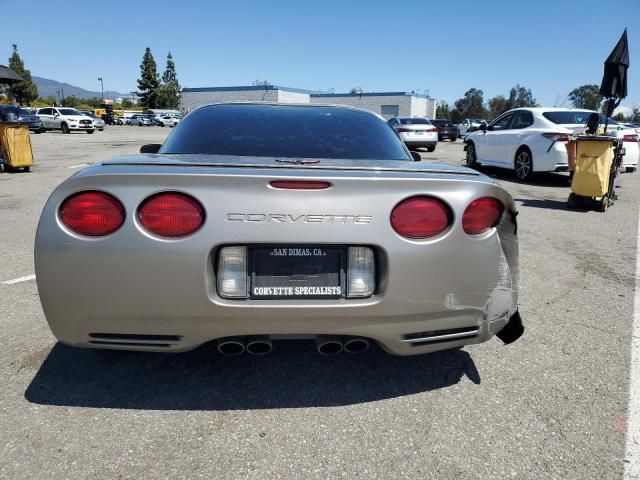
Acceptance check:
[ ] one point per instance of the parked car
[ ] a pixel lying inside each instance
(633, 126)
(469, 125)
(65, 119)
(530, 140)
(415, 132)
(21, 115)
(97, 121)
(168, 121)
(446, 130)
(139, 120)
(301, 221)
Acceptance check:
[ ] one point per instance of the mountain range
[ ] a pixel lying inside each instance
(48, 87)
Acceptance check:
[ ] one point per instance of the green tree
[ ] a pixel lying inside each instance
(126, 104)
(635, 116)
(619, 117)
(498, 105)
(26, 91)
(586, 96)
(149, 81)
(469, 106)
(443, 110)
(169, 91)
(518, 97)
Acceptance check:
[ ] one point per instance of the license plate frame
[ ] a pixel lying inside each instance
(281, 272)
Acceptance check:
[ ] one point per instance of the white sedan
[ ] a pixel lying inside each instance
(530, 140)
(469, 125)
(415, 132)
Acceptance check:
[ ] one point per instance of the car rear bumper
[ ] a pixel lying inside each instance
(132, 291)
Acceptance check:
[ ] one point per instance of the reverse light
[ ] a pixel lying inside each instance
(360, 272)
(92, 213)
(481, 215)
(171, 214)
(421, 217)
(232, 272)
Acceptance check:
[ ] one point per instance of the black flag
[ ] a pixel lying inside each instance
(614, 80)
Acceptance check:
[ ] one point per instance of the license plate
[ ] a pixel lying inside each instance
(418, 132)
(297, 272)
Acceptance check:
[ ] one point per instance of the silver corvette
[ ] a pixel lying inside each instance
(260, 222)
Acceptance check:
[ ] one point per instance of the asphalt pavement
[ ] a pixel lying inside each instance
(552, 405)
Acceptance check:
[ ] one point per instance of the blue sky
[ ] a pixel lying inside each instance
(444, 47)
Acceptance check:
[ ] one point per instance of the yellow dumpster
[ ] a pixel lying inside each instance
(593, 166)
(15, 145)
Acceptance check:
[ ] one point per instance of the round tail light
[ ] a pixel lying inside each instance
(481, 215)
(92, 213)
(171, 214)
(421, 217)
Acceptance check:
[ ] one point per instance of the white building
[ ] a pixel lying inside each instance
(387, 104)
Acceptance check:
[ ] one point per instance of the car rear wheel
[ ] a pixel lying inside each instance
(472, 159)
(65, 128)
(454, 139)
(431, 149)
(523, 164)
(90, 131)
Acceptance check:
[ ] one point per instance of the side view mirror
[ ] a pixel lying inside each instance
(483, 127)
(150, 148)
(56, 114)
(416, 156)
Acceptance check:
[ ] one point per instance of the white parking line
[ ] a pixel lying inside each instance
(26, 278)
(632, 451)
(79, 166)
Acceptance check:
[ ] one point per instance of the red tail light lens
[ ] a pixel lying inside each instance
(299, 185)
(421, 217)
(481, 215)
(92, 213)
(556, 137)
(432, 130)
(171, 214)
(630, 138)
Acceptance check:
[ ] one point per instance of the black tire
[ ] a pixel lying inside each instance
(472, 158)
(431, 149)
(454, 139)
(571, 201)
(65, 128)
(90, 131)
(604, 203)
(26, 169)
(523, 164)
(161, 124)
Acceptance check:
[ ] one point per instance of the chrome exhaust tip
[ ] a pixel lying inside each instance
(356, 345)
(231, 346)
(259, 345)
(328, 345)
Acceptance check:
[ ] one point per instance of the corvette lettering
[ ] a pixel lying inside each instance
(293, 291)
(288, 218)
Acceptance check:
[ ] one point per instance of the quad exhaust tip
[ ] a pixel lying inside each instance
(259, 345)
(328, 345)
(231, 346)
(356, 345)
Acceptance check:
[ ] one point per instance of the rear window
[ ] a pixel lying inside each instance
(285, 131)
(414, 121)
(442, 123)
(573, 118)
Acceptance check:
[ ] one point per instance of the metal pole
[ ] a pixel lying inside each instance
(101, 89)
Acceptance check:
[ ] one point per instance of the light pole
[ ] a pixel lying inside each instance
(101, 89)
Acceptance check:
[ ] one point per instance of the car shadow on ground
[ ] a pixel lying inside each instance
(293, 376)
(541, 179)
(544, 203)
